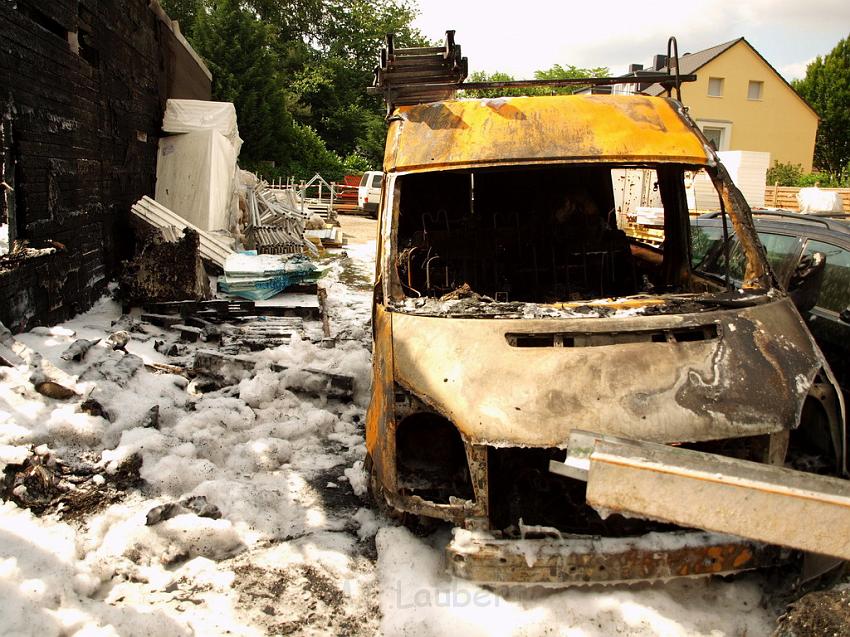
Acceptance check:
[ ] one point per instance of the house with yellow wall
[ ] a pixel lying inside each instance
(742, 103)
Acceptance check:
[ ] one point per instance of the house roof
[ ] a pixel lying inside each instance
(691, 62)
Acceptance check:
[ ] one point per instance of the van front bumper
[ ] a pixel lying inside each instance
(582, 560)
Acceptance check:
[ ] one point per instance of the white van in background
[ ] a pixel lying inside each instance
(369, 192)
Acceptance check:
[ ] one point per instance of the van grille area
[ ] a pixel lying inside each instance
(602, 339)
(521, 487)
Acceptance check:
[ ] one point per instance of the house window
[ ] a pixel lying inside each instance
(719, 134)
(754, 90)
(714, 135)
(715, 87)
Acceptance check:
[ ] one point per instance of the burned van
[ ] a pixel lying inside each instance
(512, 309)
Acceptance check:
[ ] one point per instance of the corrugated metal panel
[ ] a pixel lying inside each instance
(212, 248)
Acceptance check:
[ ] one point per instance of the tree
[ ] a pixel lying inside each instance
(556, 72)
(237, 47)
(333, 85)
(496, 76)
(826, 88)
(570, 72)
(185, 12)
(297, 71)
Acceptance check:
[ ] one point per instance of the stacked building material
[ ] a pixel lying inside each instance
(262, 276)
(275, 225)
(196, 167)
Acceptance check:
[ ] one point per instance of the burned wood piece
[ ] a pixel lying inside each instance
(219, 307)
(189, 334)
(166, 271)
(47, 379)
(92, 407)
(196, 504)
(211, 331)
(162, 368)
(118, 340)
(322, 293)
(244, 343)
(301, 311)
(78, 349)
(122, 370)
(8, 358)
(303, 288)
(50, 388)
(162, 320)
(170, 348)
(309, 381)
(264, 334)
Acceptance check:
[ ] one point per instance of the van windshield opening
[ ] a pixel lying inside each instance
(547, 235)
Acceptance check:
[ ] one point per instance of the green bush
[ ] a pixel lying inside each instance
(784, 174)
(788, 174)
(818, 179)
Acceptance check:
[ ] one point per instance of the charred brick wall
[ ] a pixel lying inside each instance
(83, 84)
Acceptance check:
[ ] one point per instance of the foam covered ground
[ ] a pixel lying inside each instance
(296, 549)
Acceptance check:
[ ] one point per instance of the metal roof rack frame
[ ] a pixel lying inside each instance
(419, 75)
(797, 217)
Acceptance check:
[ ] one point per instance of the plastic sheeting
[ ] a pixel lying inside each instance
(195, 177)
(260, 277)
(187, 116)
(816, 200)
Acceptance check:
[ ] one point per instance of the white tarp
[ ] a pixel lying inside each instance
(195, 177)
(816, 200)
(186, 116)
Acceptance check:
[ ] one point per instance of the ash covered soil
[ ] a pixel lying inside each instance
(141, 505)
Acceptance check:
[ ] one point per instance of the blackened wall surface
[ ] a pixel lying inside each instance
(83, 85)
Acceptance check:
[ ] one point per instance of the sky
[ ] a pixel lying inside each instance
(520, 37)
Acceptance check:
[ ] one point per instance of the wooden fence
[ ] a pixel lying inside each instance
(785, 197)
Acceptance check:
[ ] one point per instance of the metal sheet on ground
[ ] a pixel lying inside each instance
(762, 502)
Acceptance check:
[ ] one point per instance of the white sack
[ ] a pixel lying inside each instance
(195, 177)
(816, 200)
(186, 116)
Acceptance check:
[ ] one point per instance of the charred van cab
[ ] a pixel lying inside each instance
(510, 310)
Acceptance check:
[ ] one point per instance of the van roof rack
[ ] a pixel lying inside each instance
(419, 75)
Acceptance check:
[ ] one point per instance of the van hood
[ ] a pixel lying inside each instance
(665, 378)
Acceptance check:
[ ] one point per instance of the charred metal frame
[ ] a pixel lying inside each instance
(426, 74)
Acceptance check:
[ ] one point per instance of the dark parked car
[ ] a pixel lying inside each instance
(791, 240)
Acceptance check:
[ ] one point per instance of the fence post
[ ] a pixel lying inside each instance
(775, 192)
